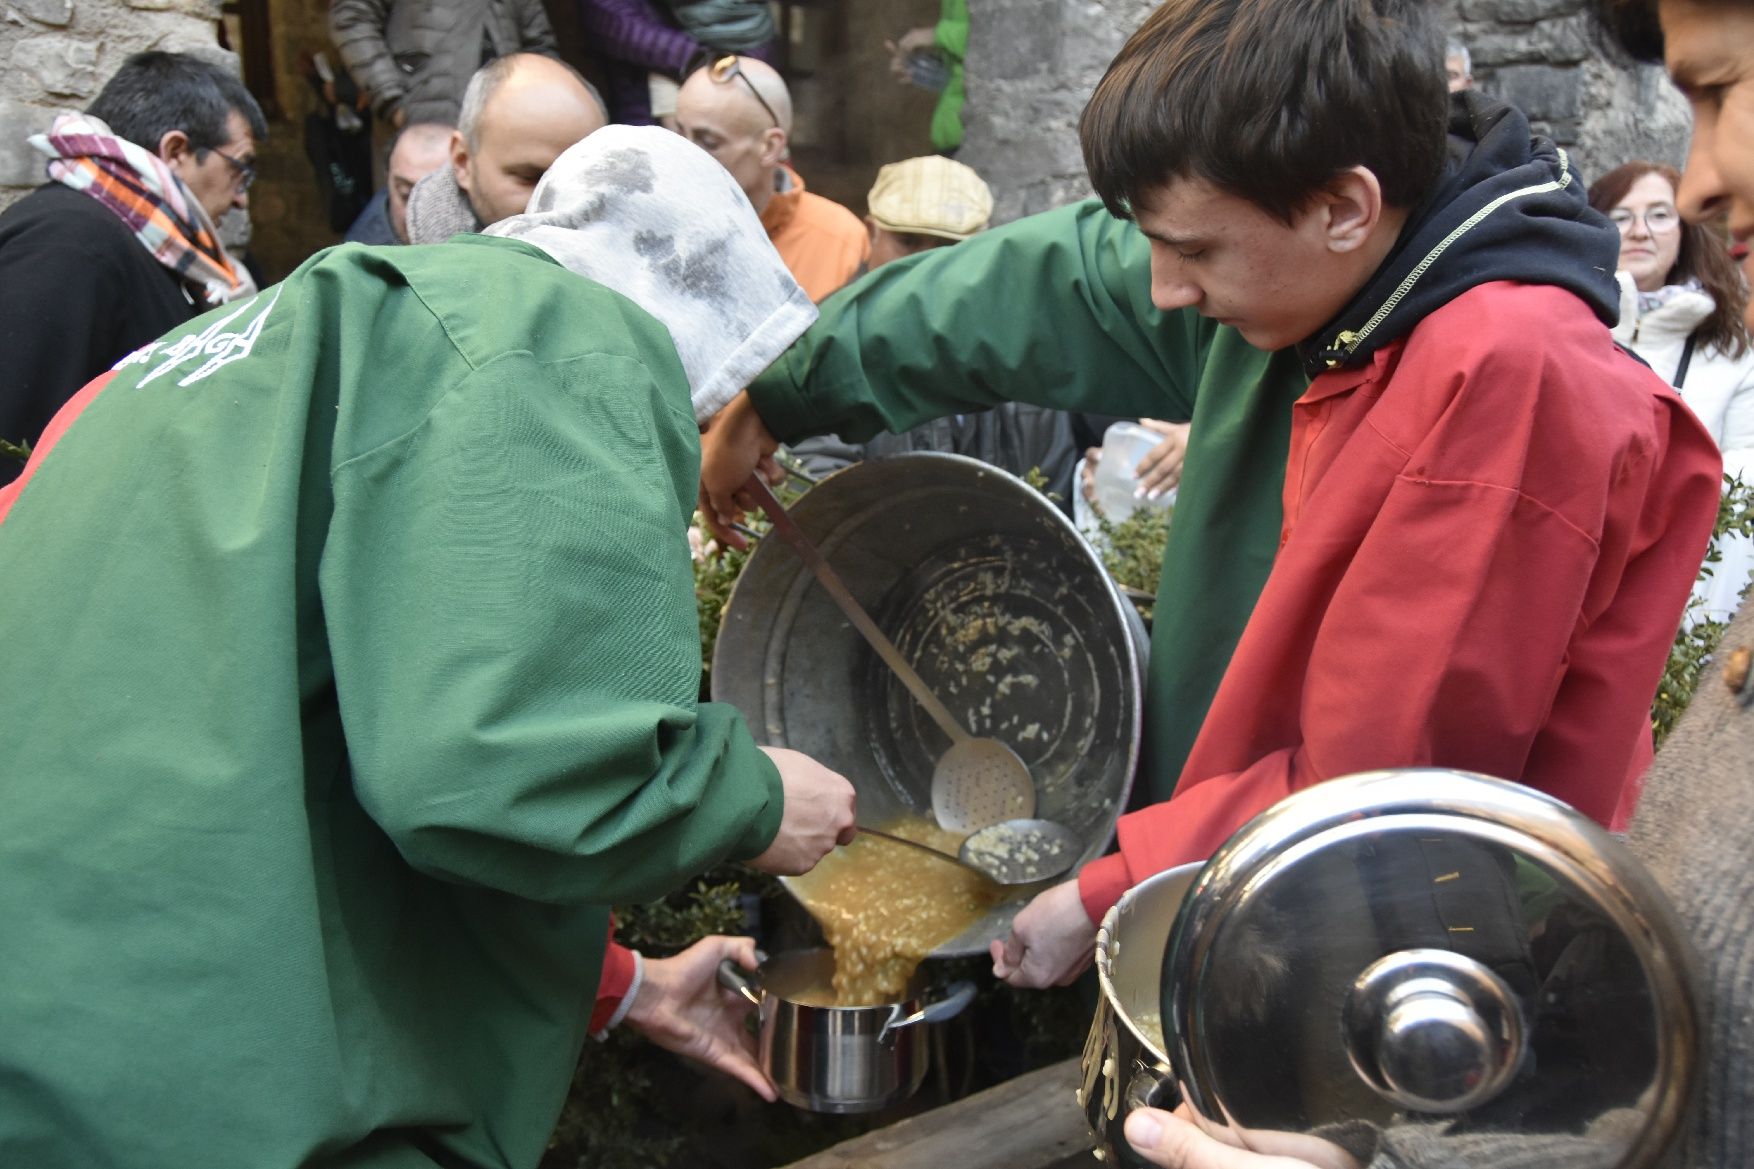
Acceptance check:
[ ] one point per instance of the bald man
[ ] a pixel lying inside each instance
(520, 113)
(415, 152)
(739, 111)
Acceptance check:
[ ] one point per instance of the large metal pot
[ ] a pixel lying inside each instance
(992, 596)
(1445, 962)
(839, 1059)
(1126, 1063)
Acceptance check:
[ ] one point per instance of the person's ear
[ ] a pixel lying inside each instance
(774, 147)
(174, 147)
(1351, 206)
(460, 158)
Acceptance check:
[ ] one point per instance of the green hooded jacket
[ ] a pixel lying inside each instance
(350, 669)
(1056, 310)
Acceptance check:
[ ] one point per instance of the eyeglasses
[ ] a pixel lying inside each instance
(725, 68)
(1658, 220)
(243, 173)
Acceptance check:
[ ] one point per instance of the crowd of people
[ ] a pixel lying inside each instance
(350, 625)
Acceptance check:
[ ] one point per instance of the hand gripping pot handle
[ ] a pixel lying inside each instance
(958, 996)
(734, 978)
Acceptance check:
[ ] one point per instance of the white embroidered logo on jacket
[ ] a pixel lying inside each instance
(220, 347)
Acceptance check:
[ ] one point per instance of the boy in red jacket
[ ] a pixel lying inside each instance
(1492, 513)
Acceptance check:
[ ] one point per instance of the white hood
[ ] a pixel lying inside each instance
(650, 215)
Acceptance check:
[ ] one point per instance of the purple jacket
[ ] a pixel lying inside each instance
(634, 38)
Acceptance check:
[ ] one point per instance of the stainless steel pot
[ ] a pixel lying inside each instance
(839, 1059)
(1439, 960)
(995, 600)
(1126, 1063)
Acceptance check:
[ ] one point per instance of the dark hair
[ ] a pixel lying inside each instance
(154, 93)
(919, 241)
(1703, 256)
(1271, 99)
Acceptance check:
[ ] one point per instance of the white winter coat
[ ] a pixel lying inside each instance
(1719, 389)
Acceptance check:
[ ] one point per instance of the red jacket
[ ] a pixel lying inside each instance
(1490, 533)
(613, 984)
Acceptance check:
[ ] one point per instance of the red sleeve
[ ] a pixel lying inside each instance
(46, 442)
(613, 983)
(1468, 631)
(1190, 826)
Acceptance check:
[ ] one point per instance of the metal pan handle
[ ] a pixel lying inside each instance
(959, 995)
(733, 977)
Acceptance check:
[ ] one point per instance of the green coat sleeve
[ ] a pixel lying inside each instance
(951, 32)
(511, 618)
(1054, 310)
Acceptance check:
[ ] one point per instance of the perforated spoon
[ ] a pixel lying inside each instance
(1022, 852)
(977, 781)
(1005, 853)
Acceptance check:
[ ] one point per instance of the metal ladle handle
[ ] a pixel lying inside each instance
(939, 853)
(831, 583)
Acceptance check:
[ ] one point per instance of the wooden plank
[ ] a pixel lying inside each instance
(1031, 1122)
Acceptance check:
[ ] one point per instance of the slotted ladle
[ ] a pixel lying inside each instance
(976, 782)
(1015, 852)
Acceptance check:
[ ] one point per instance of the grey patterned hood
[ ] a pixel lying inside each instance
(650, 215)
(438, 209)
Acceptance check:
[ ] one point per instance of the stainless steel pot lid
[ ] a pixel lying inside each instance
(1437, 960)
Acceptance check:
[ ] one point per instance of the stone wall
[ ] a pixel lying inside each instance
(1548, 58)
(1031, 66)
(56, 54)
(1033, 63)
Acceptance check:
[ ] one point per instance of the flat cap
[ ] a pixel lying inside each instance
(932, 195)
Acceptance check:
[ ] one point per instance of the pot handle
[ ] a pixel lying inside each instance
(734, 977)
(955, 999)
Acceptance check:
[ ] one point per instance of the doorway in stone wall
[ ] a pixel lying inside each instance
(852, 116)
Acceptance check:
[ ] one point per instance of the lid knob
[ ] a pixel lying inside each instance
(1433, 1031)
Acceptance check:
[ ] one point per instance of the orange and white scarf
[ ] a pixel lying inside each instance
(139, 187)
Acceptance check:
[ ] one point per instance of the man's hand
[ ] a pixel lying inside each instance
(819, 811)
(1157, 472)
(1161, 468)
(914, 40)
(1174, 1141)
(1051, 941)
(735, 445)
(1087, 483)
(682, 1008)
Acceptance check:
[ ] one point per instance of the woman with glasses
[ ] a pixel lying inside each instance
(1681, 309)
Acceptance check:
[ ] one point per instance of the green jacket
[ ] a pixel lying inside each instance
(1056, 310)
(950, 36)
(350, 668)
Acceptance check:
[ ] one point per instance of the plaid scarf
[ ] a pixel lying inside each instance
(1649, 301)
(137, 185)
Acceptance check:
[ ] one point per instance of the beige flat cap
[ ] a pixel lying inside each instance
(932, 195)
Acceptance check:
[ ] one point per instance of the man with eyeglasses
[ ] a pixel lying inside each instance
(738, 110)
(119, 245)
